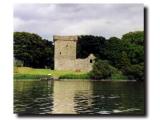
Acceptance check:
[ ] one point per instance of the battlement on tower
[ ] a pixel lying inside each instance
(66, 38)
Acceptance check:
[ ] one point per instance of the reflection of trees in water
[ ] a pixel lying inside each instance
(119, 97)
(132, 97)
(78, 97)
(33, 97)
(110, 98)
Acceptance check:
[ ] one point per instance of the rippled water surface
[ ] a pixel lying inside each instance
(78, 97)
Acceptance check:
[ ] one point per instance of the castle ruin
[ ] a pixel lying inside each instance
(65, 55)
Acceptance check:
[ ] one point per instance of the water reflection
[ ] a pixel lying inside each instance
(78, 97)
(111, 98)
(33, 97)
(64, 95)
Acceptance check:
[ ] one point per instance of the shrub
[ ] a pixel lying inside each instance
(101, 70)
(136, 72)
(116, 74)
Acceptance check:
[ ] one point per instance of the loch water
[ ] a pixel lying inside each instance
(79, 97)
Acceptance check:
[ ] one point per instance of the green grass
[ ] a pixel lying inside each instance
(31, 73)
(28, 70)
(29, 76)
(75, 76)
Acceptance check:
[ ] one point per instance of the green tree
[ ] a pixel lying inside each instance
(125, 54)
(124, 62)
(136, 37)
(113, 51)
(133, 43)
(90, 44)
(32, 50)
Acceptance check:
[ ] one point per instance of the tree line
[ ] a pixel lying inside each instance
(125, 55)
(32, 50)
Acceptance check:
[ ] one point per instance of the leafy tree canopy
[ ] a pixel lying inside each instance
(32, 50)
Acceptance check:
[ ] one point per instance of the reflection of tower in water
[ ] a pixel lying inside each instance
(66, 96)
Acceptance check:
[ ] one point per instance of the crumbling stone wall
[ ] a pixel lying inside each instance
(85, 64)
(65, 55)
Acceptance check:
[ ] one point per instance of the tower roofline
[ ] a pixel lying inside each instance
(65, 38)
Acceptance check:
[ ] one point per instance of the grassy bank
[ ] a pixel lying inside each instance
(31, 73)
(75, 76)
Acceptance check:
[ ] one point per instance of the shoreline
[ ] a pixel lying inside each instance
(103, 80)
(27, 73)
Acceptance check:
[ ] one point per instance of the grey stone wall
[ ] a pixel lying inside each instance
(65, 55)
(85, 64)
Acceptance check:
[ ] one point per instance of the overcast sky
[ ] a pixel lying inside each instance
(78, 19)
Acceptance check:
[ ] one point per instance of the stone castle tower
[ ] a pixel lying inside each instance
(65, 55)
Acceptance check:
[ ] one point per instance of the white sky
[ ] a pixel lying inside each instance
(105, 20)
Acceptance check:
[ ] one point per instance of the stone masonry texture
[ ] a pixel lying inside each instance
(65, 55)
